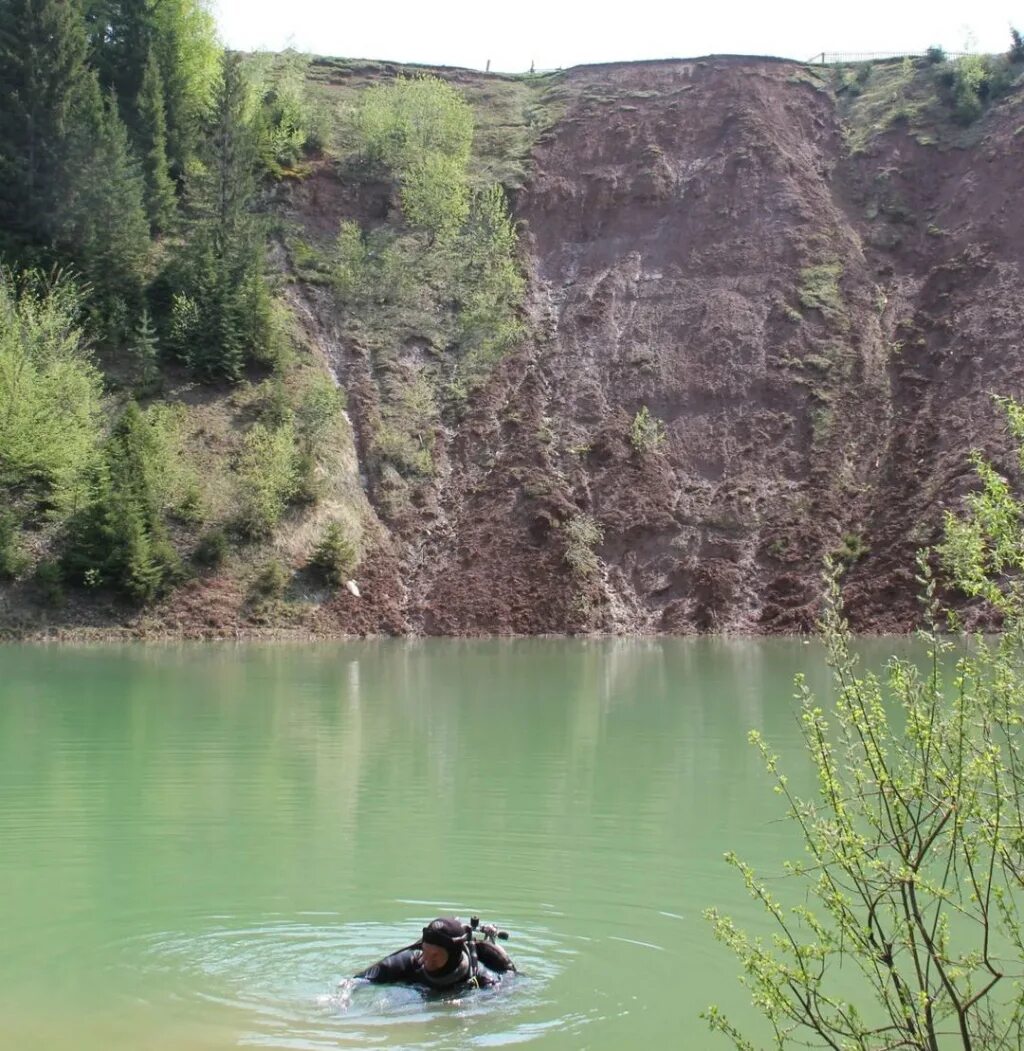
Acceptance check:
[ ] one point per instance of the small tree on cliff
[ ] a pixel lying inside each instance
(914, 869)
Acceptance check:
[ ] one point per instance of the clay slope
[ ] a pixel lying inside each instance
(813, 314)
(700, 242)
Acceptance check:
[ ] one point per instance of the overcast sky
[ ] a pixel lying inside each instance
(554, 33)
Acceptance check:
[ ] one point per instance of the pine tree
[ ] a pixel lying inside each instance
(231, 184)
(121, 36)
(45, 81)
(186, 49)
(161, 203)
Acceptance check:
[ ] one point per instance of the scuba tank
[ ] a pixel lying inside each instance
(486, 948)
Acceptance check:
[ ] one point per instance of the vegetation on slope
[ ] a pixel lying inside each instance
(937, 98)
(140, 230)
(144, 327)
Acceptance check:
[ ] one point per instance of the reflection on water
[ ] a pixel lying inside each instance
(201, 842)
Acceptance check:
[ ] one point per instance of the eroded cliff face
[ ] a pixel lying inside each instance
(812, 306)
(819, 332)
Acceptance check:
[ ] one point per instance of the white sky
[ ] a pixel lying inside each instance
(553, 33)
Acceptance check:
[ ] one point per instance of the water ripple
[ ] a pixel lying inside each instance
(281, 978)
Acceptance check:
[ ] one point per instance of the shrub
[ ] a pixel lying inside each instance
(308, 482)
(405, 436)
(582, 535)
(351, 258)
(912, 875)
(421, 129)
(275, 403)
(50, 581)
(935, 55)
(914, 866)
(969, 79)
(50, 392)
(12, 559)
(819, 290)
(374, 270)
(320, 404)
(852, 549)
(335, 557)
(267, 474)
(492, 287)
(270, 582)
(647, 432)
(400, 122)
(435, 196)
(212, 548)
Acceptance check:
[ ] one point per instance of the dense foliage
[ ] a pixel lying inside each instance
(137, 162)
(120, 539)
(134, 153)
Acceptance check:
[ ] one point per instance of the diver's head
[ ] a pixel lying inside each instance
(444, 947)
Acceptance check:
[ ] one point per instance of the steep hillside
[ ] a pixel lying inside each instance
(764, 319)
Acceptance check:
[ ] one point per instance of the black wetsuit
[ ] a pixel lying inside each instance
(406, 967)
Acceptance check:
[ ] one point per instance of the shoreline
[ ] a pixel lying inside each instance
(101, 636)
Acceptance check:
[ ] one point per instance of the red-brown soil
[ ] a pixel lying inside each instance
(670, 219)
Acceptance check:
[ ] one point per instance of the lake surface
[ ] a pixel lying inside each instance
(199, 842)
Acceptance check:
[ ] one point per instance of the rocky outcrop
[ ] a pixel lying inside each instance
(701, 242)
(815, 323)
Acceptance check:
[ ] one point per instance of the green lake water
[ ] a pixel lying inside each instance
(199, 842)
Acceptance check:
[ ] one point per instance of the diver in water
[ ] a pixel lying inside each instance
(447, 958)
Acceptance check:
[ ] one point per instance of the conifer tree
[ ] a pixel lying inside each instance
(104, 223)
(45, 81)
(120, 539)
(144, 350)
(189, 56)
(120, 36)
(161, 204)
(181, 37)
(225, 309)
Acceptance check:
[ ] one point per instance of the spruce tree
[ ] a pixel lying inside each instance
(119, 540)
(144, 350)
(181, 37)
(104, 226)
(161, 203)
(221, 265)
(121, 36)
(189, 56)
(45, 81)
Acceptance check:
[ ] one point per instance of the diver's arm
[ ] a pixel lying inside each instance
(398, 967)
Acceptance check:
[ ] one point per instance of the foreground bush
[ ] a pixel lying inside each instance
(913, 874)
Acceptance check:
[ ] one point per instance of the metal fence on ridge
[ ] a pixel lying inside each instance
(829, 58)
